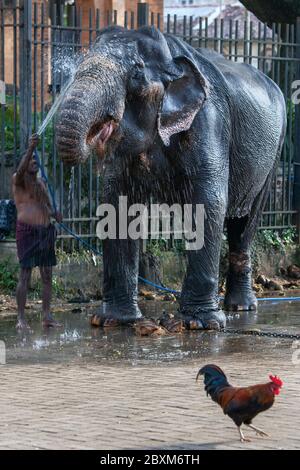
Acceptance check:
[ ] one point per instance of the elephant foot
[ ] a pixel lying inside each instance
(97, 320)
(111, 316)
(239, 294)
(204, 320)
(240, 301)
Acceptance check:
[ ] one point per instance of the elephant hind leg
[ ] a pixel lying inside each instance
(239, 294)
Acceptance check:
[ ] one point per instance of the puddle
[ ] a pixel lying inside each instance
(77, 341)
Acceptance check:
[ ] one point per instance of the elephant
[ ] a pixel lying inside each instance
(181, 125)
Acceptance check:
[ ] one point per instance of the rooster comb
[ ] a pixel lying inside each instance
(276, 380)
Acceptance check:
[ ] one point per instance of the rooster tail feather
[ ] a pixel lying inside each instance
(214, 379)
(211, 370)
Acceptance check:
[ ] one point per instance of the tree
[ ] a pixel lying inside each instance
(274, 11)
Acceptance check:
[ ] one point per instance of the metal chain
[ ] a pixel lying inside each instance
(260, 333)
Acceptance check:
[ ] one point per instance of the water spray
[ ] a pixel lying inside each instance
(54, 107)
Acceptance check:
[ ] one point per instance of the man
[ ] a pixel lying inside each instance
(35, 233)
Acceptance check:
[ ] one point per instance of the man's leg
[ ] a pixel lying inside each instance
(46, 276)
(21, 294)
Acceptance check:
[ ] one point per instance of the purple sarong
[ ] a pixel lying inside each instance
(35, 245)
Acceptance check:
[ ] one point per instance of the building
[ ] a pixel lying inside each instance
(226, 26)
(209, 9)
(119, 6)
(87, 9)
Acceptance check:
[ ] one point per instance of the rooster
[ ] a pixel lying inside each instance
(241, 404)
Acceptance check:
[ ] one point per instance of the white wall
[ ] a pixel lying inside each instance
(172, 3)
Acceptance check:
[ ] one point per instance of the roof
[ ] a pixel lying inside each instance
(235, 13)
(190, 10)
(239, 13)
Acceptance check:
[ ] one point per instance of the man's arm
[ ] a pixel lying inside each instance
(52, 212)
(23, 165)
(45, 198)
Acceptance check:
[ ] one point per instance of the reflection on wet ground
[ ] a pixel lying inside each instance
(77, 341)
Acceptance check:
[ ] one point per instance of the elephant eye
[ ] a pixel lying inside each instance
(140, 65)
(138, 70)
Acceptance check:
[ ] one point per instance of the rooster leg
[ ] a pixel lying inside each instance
(258, 431)
(242, 437)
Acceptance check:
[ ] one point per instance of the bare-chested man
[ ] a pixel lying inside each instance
(34, 233)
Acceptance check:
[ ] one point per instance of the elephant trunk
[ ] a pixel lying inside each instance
(89, 113)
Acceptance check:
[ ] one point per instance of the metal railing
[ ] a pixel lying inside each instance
(37, 53)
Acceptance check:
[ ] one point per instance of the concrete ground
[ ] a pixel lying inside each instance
(96, 406)
(84, 388)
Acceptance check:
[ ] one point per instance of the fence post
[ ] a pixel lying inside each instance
(142, 14)
(296, 189)
(25, 72)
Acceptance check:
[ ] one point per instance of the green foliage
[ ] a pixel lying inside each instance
(160, 246)
(7, 120)
(10, 121)
(8, 276)
(58, 287)
(279, 241)
(77, 257)
(48, 139)
(272, 245)
(157, 247)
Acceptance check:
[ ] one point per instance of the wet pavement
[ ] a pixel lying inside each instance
(86, 388)
(78, 342)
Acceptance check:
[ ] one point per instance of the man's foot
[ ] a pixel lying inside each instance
(22, 325)
(50, 322)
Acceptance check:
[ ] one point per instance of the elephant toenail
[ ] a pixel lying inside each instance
(213, 325)
(195, 325)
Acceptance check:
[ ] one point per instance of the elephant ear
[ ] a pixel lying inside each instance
(183, 98)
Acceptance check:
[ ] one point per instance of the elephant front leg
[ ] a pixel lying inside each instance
(199, 302)
(120, 262)
(120, 280)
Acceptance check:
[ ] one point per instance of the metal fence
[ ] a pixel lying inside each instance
(38, 51)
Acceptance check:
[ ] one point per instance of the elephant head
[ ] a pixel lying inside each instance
(127, 91)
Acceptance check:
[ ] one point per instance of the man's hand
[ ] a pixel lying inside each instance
(33, 141)
(58, 217)
(25, 161)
